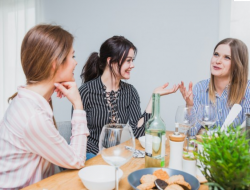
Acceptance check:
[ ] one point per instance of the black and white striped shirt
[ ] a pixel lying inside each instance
(127, 109)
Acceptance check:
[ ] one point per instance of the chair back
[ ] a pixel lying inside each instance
(64, 128)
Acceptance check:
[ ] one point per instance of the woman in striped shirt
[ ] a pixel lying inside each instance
(30, 145)
(106, 98)
(227, 86)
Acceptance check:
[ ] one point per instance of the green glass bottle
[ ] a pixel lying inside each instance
(155, 135)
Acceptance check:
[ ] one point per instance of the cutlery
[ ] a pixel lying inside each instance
(160, 184)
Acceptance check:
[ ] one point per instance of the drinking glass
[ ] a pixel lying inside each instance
(112, 143)
(207, 116)
(186, 118)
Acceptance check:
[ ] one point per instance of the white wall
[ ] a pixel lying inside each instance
(175, 40)
(240, 22)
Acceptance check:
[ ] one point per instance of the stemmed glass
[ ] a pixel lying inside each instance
(112, 143)
(186, 118)
(207, 115)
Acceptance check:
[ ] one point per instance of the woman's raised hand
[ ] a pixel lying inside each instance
(163, 91)
(70, 91)
(187, 95)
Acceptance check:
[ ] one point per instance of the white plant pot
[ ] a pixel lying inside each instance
(189, 166)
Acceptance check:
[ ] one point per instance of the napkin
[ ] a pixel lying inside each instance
(137, 153)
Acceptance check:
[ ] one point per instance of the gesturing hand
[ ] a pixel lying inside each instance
(187, 95)
(162, 91)
(70, 91)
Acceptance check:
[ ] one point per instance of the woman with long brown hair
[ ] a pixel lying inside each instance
(30, 145)
(227, 86)
(108, 99)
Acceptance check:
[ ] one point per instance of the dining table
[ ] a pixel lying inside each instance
(69, 179)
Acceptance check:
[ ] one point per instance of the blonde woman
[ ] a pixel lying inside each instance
(30, 144)
(228, 84)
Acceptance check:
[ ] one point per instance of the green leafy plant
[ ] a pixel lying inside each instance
(225, 159)
(189, 156)
(214, 186)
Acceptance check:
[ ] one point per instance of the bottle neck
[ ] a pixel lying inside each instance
(156, 105)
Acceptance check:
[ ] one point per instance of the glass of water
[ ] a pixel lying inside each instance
(112, 143)
(207, 116)
(185, 116)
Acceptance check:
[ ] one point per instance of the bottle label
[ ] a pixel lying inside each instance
(148, 140)
(163, 141)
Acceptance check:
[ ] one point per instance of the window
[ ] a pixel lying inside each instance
(16, 18)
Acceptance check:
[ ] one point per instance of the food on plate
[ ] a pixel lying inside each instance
(148, 178)
(160, 184)
(146, 186)
(179, 180)
(185, 185)
(161, 174)
(161, 180)
(174, 179)
(174, 187)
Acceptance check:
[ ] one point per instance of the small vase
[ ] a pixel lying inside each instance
(189, 166)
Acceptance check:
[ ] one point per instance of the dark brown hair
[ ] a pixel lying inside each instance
(117, 48)
(239, 71)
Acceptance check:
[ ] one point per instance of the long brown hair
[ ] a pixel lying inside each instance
(238, 71)
(41, 46)
(117, 48)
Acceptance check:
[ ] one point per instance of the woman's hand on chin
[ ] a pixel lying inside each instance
(70, 91)
(187, 95)
(163, 91)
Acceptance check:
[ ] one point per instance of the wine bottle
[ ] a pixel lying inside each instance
(155, 134)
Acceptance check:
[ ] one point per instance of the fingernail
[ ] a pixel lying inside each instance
(56, 84)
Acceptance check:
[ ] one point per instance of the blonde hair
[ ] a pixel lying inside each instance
(41, 46)
(238, 71)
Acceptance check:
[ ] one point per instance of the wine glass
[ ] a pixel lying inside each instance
(185, 117)
(112, 143)
(207, 116)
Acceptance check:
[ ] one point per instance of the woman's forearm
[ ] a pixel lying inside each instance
(148, 110)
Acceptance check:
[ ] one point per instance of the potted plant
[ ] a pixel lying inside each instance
(225, 159)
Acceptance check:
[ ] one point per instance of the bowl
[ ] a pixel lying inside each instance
(99, 177)
(134, 177)
(156, 141)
